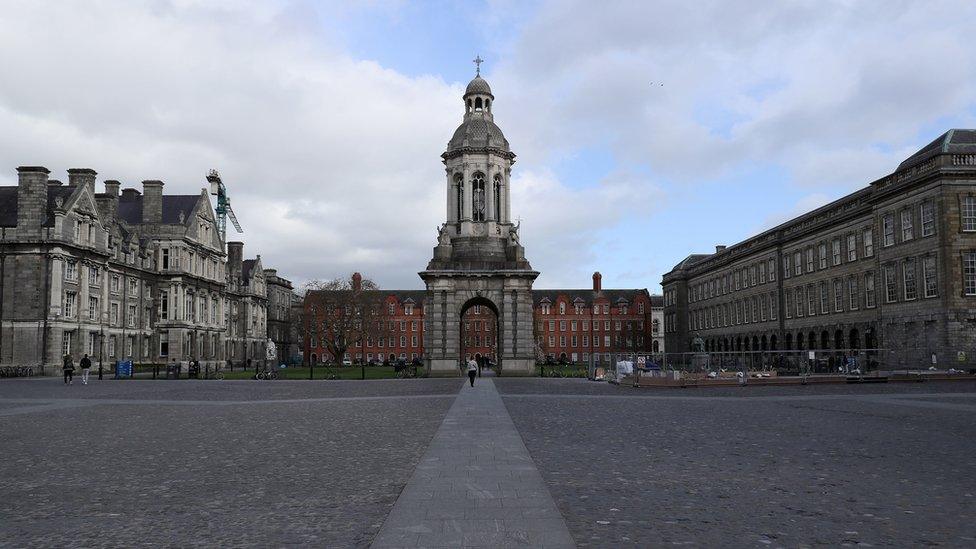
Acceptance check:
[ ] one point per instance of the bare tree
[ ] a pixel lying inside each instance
(341, 313)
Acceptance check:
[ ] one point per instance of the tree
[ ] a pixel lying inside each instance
(341, 313)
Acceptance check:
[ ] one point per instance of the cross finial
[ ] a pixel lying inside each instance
(478, 61)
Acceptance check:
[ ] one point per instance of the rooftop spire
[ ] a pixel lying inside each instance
(478, 61)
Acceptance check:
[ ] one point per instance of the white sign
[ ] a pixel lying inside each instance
(813, 355)
(640, 361)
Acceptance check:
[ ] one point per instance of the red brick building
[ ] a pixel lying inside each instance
(569, 324)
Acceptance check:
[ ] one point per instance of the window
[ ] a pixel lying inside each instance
(133, 286)
(606, 341)
(809, 260)
(969, 273)
(888, 229)
(851, 247)
(70, 300)
(907, 230)
(164, 253)
(927, 212)
(552, 325)
(408, 309)
(854, 293)
(606, 325)
(838, 296)
(797, 264)
(823, 298)
(562, 325)
(891, 287)
(93, 308)
(799, 302)
(586, 325)
(562, 341)
(752, 275)
(822, 252)
(786, 266)
(868, 236)
(811, 300)
(606, 310)
(562, 308)
(869, 300)
(164, 305)
(968, 209)
(114, 313)
(736, 278)
(164, 343)
(71, 270)
(93, 275)
(762, 272)
(130, 318)
(114, 284)
(640, 309)
(92, 337)
(835, 251)
(772, 306)
(930, 273)
(66, 343)
(762, 308)
(908, 277)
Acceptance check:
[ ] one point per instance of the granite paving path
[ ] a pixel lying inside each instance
(476, 486)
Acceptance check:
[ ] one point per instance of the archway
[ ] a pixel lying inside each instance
(772, 342)
(789, 341)
(479, 332)
(824, 340)
(838, 339)
(855, 340)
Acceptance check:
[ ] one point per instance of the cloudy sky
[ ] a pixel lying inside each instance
(644, 130)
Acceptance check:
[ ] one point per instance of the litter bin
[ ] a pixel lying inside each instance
(171, 371)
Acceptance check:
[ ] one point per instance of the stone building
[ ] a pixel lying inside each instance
(281, 298)
(891, 266)
(247, 309)
(121, 274)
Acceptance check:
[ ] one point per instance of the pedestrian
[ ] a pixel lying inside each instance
(69, 369)
(472, 370)
(85, 368)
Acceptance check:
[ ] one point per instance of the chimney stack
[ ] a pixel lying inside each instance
(719, 248)
(597, 282)
(152, 201)
(31, 200)
(235, 257)
(357, 282)
(112, 190)
(82, 177)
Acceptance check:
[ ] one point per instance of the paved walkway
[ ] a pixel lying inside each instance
(476, 486)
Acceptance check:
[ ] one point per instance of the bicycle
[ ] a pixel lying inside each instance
(216, 373)
(266, 375)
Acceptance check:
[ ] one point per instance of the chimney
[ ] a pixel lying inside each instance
(152, 201)
(719, 248)
(357, 282)
(31, 199)
(78, 177)
(597, 282)
(235, 257)
(53, 183)
(112, 190)
(130, 194)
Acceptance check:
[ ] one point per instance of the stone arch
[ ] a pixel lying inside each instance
(772, 342)
(789, 341)
(854, 339)
(824, 340)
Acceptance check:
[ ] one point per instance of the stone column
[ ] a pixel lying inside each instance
(506, 189)
(451, 194)
(490, 191)
(56, 303)
(467, 194)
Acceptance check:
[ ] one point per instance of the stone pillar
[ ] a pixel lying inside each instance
(152, 201)
(57, 298)
(490, 192)
(467, 195)
(451, 193)
(506, 189)
(31, 200)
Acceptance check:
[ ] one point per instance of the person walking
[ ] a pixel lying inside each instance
(85, 368)
(69, 370)
(472, 370)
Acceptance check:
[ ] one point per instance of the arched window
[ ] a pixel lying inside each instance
(459, 189)
(488, 105)
(469, 105)
(477, 104)
(498, 197)
(478, 197)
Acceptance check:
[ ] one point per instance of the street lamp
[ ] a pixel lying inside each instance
(101, 349)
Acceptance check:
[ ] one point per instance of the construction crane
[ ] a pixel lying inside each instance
(223, 209)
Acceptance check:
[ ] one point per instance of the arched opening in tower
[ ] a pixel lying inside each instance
(479, 335)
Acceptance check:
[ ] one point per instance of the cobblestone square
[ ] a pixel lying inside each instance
(510, 462)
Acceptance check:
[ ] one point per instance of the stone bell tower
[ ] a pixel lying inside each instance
(478, 259)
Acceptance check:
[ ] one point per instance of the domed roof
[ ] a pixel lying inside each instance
(478, 85)
(477, 132)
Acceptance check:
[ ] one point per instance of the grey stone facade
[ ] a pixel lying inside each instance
(281, 299)
(118, 275)
(883, 267)
(478, 259)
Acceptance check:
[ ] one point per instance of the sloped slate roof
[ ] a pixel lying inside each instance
(953, 141)
(247, 267)
(587, 295)
(130, 208)
(8, 203)
(689, 261)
